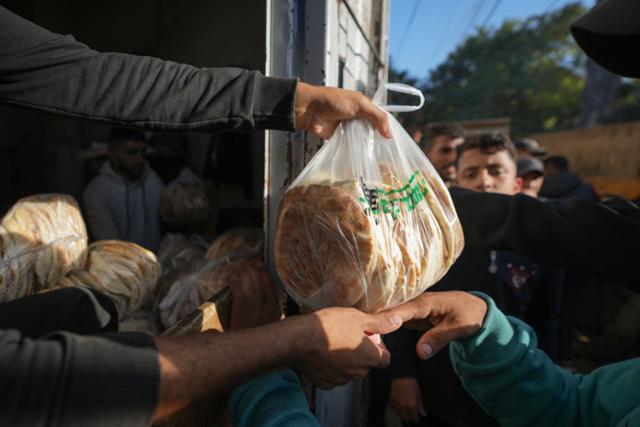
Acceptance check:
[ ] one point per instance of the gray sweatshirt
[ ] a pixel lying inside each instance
(124, 210)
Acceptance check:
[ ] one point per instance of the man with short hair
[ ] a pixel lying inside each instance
(122, 200)
(531, 172)
(440, 148)
(486, 163)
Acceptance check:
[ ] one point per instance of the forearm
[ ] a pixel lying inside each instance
(57, 74)
(501, 367)
(193, 367)
(573, 234)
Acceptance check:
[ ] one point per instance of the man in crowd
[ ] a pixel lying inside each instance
(440, 148)
(531, 173)
(122, 201)
(561, 183)
(486, 163)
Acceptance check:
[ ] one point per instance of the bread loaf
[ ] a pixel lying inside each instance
(42, 238)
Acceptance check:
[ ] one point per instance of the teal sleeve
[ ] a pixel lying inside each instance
(504, 371)
(274, 400)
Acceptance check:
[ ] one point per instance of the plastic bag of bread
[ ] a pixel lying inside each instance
(206, 280)
(124, 271)
(368, 223)
(178, 251)
(184, 201)
(237, 241)
(42, 238)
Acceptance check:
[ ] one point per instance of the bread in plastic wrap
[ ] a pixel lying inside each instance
(237, 241)
(42, 237)
(368, 223)
(184, 204)
(206, 280)
(124, 271)
(178, 251)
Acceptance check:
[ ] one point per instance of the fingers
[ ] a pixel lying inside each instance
(417, 309)
(382, 323)
(436, 339)
(376, 116)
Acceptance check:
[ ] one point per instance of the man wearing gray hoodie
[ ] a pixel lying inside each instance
(122, 200)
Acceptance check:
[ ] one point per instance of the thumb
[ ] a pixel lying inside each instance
(382, 323)
(435, 339)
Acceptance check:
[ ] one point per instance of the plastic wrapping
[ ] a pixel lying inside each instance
(208, 278)
(237, 241)
(124, 271)
(179, 252)
(184, 201)
(42, 238)
(368, 223)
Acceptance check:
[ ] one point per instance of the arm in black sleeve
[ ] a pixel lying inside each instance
(402, 346)
(50, 72)
(543, 313)
(578, 234)
(71, 380)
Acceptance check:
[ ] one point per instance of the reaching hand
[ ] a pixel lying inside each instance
(448, 316)
(406, 399)
(319, 110)
(343, 345)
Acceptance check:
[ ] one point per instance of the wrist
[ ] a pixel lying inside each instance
(303, 339)
(303, 100)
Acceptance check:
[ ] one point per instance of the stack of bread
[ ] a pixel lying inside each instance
(124, 271)
(42, 238)
(370, 246)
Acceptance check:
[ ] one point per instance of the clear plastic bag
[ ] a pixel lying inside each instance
(206, 279)
(368, 223)
(184, 201)
(42, 238)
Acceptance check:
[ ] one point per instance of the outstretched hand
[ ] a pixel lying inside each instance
(320, 109)
(446, 317)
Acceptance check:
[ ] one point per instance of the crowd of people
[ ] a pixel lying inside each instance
(489, 334)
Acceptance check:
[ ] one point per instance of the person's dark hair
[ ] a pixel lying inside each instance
(561, 163)
(451, 130)
(120, 135)
(488, 143)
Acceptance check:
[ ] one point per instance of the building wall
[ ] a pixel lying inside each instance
(608, 157)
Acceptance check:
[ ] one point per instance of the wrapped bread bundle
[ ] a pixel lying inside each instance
(124, 271)
(368, 223)
(42, 238)
(237, 241)
(179, 252)
(207, 279)
(184, 204)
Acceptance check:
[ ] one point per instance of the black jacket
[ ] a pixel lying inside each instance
(597, 238)
(566, 185)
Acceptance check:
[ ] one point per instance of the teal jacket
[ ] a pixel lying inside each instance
(274, 400)
(502, 368)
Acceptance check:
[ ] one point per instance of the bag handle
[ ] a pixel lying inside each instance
(401, 88)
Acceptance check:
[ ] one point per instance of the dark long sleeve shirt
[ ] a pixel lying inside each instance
(65, 379)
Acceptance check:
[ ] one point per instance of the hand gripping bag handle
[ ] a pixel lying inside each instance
(401, 88)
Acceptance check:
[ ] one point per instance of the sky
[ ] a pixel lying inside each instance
(424, 32)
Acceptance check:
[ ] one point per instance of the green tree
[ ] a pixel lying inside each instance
(529, 70)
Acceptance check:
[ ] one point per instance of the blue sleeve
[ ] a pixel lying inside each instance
(274, 400)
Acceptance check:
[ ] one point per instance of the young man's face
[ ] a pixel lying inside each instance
(443, 156)
(488, 172)
(128, 158)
